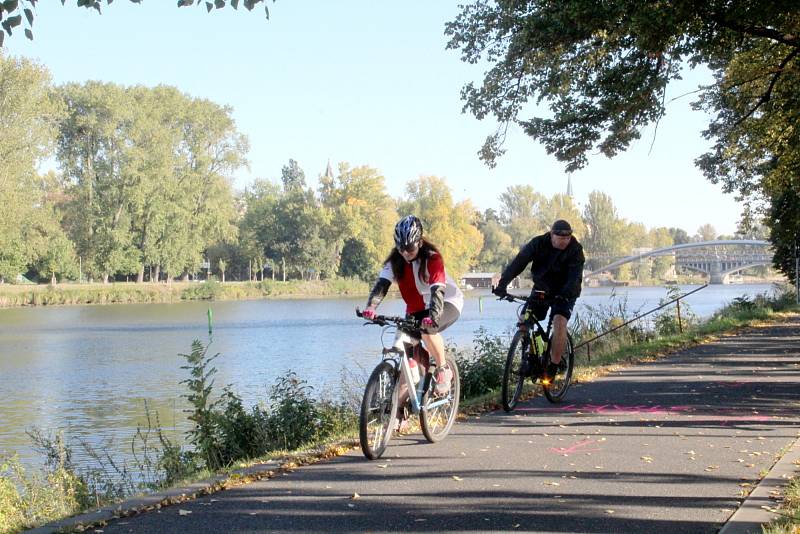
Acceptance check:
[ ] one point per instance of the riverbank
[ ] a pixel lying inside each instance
(12, 296)
(17, 296)
(478, 377)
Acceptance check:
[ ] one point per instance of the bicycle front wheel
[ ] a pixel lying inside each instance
(377, 417)
(436, 422)
(557, 388)
(515, 370)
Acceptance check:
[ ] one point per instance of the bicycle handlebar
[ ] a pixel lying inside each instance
(383, 320)
(537, 297)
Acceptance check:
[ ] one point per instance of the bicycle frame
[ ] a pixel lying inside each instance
(402, 346)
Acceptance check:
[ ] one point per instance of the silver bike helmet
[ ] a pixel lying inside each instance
(407, 232)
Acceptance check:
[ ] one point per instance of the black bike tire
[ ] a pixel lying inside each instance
(373, 453)
(569, 353)
(511, 398)
(426, 418)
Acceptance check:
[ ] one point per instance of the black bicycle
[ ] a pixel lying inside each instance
(529, 355)
(382, 403)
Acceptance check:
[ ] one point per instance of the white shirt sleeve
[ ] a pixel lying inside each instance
(386, 272)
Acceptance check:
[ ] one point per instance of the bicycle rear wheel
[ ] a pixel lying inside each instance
(436, 422)
(377, 417)
(557, 388)
(515, 371)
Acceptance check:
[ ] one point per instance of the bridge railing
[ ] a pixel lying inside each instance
(676, 301)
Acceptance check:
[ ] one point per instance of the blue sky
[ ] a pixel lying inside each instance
(368, 83)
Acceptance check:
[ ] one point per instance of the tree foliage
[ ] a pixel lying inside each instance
(28, 117)
(602, 70)
(12, 12)
(449, 225)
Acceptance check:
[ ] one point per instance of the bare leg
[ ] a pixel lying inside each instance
(435, 345)
(559, 338)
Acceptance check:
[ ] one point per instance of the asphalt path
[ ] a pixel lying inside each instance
(668, 446)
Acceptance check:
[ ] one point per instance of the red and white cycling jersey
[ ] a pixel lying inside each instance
(415, 292)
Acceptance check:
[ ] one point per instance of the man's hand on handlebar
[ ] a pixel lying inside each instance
(500, 292)
(368, 314)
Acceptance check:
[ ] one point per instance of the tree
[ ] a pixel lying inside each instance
(602, 69)
(604, 240)
(706, 233)
(521, 209)
(356, 261)
(360, 210)
(561, 206)
(497, 248)
(679, 236)
(28, 114)
(13, 10)
(450, 226)
(661, 238)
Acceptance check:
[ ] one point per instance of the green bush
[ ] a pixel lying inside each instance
(209, 290)
(481, 369)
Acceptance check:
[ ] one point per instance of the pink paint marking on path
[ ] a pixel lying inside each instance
(611, 409)
(578, 447)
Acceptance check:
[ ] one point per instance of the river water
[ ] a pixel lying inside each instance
(88, 370)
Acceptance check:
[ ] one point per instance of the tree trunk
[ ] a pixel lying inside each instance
(105, 278)
(283, 261)
(140, 275)
(53, 280)
(185, 276)
(157, 274)
(223, 277)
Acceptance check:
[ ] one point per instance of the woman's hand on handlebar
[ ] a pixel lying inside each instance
(368, 314)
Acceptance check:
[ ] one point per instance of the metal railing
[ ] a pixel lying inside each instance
(677, 300)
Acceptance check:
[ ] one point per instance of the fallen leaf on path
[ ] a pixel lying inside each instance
(514, 430)
(355, 496)
(457, 479)
(184, 512)
(552, 484)
(647, 459)
(383, 466)
(609, 511)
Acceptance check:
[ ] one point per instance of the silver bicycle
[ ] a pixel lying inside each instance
(381, 407)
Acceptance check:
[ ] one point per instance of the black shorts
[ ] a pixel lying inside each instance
(450, 314)
(559, 307)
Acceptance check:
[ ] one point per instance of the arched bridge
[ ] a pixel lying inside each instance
(716, 258)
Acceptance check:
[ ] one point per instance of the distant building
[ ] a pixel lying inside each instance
(477, 280)
(482, 280)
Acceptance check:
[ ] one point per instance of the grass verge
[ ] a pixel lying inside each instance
(115, 293)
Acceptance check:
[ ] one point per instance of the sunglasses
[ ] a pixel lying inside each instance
(410, 249)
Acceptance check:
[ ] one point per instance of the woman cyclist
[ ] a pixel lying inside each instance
(430, 295)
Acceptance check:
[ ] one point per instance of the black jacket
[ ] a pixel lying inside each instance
(558, 272)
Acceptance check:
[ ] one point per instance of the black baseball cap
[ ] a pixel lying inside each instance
(561, 227)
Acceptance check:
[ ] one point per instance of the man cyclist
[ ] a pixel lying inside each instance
(429, 293)
(556, 260)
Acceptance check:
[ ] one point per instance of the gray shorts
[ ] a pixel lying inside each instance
(450, 314)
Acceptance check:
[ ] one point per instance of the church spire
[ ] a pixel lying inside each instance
(329, 170)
